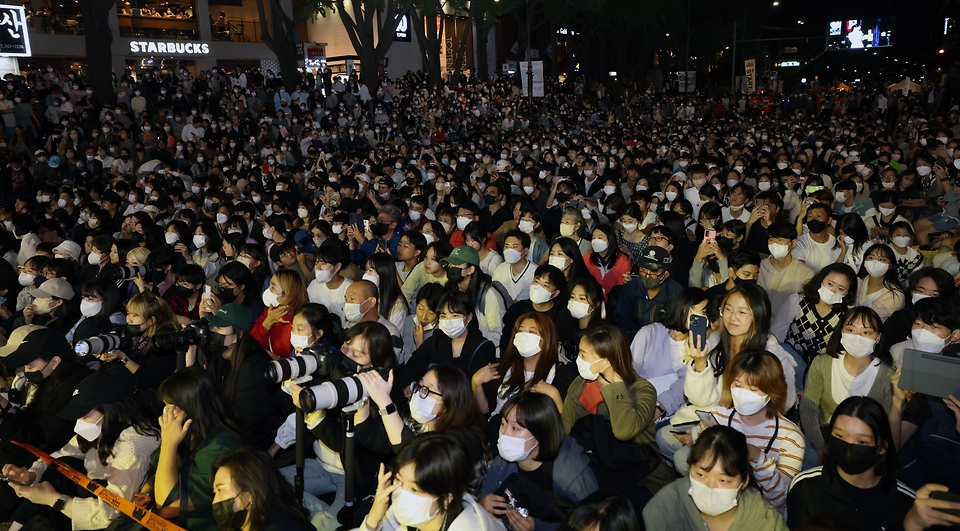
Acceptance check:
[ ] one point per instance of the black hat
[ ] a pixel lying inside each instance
(94, 391)
(654, 258)
(41, 342)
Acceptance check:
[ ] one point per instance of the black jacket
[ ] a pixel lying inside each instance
(821, 490)
(476, 353)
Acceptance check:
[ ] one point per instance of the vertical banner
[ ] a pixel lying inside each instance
(537, 67)
(14, 37)
(750, 69)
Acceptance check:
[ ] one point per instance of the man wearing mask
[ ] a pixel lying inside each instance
(782, 275)
(818, 247)
(643, 298)
(360, 305)
(743, 265)
(384, 233)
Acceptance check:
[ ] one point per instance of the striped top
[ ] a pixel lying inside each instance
(776, 469)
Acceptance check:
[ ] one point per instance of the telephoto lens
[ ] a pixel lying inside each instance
(334, 394)
(130, 272)
(290, 369)
(98, 345)
(193, 334)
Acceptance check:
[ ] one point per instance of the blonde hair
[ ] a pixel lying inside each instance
(150, 306)
(293, 286)
(139, 254)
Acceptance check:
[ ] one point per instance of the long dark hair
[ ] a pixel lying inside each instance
(442, 468)
(388, 287)
(194, 391)
(756, 298)
(321, 319)
(460, 408)
(117, 417)
(577, 268)
(613, 251)
(610, 343)
(871, 413)
(868, 317)
(253, 472)
(811, 289)
(891, 279)
(229, 369)
(547, 357)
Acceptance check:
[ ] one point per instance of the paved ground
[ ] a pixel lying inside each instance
(4, 526)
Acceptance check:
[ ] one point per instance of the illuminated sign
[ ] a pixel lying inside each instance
(314, 55)
(170, 47)
(403, 29)
(789, 63)
(14, 38)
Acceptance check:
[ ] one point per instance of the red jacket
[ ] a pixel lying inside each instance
(614, 277)
(277, 340)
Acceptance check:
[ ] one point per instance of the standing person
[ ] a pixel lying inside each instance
(715, 495)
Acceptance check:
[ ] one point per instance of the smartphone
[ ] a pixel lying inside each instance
(698, 327)
(207, 292)
(947, 496)
(356, 219)
(707, 419)
(366, 225)
(710, 236)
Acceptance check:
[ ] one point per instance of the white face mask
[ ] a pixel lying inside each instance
(525, 226)
(199, 240)
(89, 309)
(89, 431)
(454, 328)
(856, 345)
(270, 299)
(421, 409)
(712, 501)
(512, 448)
(61, 203)
(412, 510)
(26, 279)
(566, 230)
(462, 222)
(901, 241)
(579, 309)
(558, 262)
(171, 237)
(598, 245)
(778, 250)
(352, 312)
(609, 189)
(923, 171)
(527, 344)
(94, 258)
(511, 256)
(671, 195)
(302, 212)
(747, 402)
(630, 227)
(221, 218)
(876, 268)
(914, 297)
(323, 275)
(298, 341)
(583, 367)
(372, 278)
(829, 297)
(926, 341)
(539, 294)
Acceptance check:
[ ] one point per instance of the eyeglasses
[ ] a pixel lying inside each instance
(422, 390)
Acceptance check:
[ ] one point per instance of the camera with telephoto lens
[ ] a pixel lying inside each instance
(193, 334)
(335, 394)
(317, 361)
(130, 272)
(119, 339)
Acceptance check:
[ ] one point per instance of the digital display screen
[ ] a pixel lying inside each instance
(861, 33)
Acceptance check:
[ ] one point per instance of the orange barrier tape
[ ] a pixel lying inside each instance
(144, 517)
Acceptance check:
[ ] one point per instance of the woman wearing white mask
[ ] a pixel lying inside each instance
(532, 443)
(804, 323)
(880, 286)
(629, 236)
(606, 263)
(459, 341)
(528, 363)
(97, 306)
(475, 236)
(429, 490)
(609, 398)
(715, 495)
(854, 365)
(908, 258)
(925, 283)
(206, 244)
(380, 270)
(113, 443)
(565, 255)
(271, 329)
(573, 225)
(753, 402)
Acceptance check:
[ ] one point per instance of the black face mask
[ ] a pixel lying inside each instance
(226, 294)
(816, 226)
(136, 237)
(183, 292)
(454, 274)
(851, 458)
(724, 242)
(562, 197)
(134, 330)
(379, 229)
(742, 282)
(35, 377)
(214, 344)
(225, 518)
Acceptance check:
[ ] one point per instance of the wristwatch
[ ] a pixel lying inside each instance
(61, 501)
(388, 409)
(124, 360)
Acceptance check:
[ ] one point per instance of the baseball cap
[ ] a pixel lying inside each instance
(69, 247)
(236, 315)
(15, 338)
(55, 287)
(40, 342)
(54, 161)
(463, 255)
(94, 391)
(654, 258)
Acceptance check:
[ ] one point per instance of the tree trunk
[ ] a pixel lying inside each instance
(482, 36)
(360, 30)
(462, 51)
(430, 42)
(98, 38)
(280, 41)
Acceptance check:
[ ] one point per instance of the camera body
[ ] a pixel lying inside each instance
(316, 361)
(119, 339)
(193, 334)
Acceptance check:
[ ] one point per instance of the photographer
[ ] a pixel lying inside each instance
(184, 298)
(234, 284)
(97, 306)
(237, 363)
(147, 316)
(112, 435)
(249, 493)
(314, 323)
(365, 346)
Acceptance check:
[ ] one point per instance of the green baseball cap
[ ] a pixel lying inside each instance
(236, 315)
(463, 255)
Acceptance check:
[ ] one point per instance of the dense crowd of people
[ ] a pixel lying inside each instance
(564, 313)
